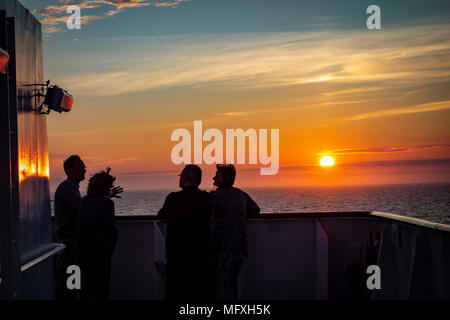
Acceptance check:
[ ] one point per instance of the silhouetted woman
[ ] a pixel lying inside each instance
(231, 207)
(97, 236)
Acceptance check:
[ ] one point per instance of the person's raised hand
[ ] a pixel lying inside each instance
(115, 191)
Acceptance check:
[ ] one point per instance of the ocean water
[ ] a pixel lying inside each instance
(427, 201)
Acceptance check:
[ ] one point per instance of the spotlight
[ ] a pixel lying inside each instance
(4, 58)
(55, 98)
(58, 99)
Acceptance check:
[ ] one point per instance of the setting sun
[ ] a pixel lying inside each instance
(326, 161)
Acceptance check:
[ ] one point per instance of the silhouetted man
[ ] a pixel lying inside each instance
(67, 206)
(231, 207)
(188, 251)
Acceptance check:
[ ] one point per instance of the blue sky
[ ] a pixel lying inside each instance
(211, 16)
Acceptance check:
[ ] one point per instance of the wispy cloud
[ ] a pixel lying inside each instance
(388, 149)
(95, 160)
(234, 113)
(267, 60)
(145, 173)
(381, 163)
(343, 102)
(393, 163)
(425, 107)
(54, 15)
(352, 91)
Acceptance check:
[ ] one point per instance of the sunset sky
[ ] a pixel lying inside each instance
(377, 101)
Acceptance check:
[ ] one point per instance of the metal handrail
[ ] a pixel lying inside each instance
(57, 247)
(411, 220)
(320, 215)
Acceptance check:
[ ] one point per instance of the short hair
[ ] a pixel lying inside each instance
(69, 162)
(193, 174)
(228, 173)
(100, 184)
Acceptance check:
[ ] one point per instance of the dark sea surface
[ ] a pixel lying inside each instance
(427, 201)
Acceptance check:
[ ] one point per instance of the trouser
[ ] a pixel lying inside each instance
(66, 258)
(95, 276)
(227, 267)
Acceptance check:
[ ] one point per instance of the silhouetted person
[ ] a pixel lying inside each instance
(188, 246)
(97, 237)
(231, 207)
(67, 205)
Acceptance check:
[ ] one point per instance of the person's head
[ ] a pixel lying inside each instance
(225, 175)
(100, 184)
(74, 168)
(190, 176)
